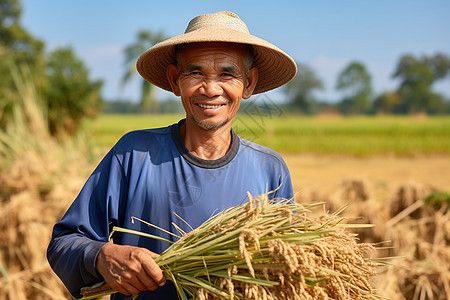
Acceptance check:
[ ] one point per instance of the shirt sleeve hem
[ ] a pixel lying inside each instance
(91, 258)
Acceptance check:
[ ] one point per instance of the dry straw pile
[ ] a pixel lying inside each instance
(413, 223)
(266, 249)
(38, 179)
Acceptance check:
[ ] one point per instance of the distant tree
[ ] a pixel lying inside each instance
(388, 103)
(417, 76)
(17, 48)
(145, 40)
(447, 107)
(120, 107)
(300, 90)
(439, 65)
(14, 39)
(170, 106)
(71, 94)
(355, 82)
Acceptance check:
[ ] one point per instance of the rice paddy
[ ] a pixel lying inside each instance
(357, 136)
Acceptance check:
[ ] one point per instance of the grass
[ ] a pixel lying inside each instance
(358, 136)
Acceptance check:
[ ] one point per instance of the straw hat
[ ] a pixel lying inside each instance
(275, 67)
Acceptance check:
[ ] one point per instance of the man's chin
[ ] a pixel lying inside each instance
(209, 125)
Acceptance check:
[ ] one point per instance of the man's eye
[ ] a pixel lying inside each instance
(225, 74)
(195, 73)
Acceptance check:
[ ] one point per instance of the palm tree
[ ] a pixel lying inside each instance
(145, 40)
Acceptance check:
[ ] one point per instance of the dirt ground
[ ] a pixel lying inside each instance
(326, 173)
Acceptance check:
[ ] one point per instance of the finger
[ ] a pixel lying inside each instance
(147, 281)
(130, 289)
(120, 287)
(154, 272)
(139, 283)
(128, 284)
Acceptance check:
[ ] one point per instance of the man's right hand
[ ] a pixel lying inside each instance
(129, 270)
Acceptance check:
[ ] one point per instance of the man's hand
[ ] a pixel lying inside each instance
(129, 270)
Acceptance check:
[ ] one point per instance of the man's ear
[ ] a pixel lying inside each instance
(172, 77)
(252, 79)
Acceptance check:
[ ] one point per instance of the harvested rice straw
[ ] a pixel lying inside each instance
(266, 249)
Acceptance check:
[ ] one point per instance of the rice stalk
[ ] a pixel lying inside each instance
(266, 249)
(26, 128)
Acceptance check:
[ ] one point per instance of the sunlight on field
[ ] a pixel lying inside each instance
(359, 136)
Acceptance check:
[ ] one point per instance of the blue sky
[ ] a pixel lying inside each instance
(324, 34)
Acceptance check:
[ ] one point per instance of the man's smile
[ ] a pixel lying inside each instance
(209, 106)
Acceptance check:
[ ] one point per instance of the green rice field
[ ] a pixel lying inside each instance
(357, 136)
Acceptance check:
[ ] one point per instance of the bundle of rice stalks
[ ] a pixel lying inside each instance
(266, 249)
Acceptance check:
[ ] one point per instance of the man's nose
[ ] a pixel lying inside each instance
(211, 88)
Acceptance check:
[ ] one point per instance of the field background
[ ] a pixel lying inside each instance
(323, 151)
(357, 136)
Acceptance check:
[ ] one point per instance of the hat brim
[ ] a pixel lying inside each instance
(275, 67)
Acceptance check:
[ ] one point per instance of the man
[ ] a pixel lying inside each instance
(194, 168)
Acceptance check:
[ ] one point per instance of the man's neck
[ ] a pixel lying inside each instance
(206, 144)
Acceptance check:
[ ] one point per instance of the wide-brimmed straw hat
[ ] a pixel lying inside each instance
(275, 67)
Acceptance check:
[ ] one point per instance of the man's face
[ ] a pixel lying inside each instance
(211, 80)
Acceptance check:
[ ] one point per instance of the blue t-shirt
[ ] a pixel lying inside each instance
(149, 174)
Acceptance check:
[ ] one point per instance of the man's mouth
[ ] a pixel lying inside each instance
(207, 106)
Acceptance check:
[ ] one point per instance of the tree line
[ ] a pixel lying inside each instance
(414, 94)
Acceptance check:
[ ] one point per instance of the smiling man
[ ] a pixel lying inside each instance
(194, 168)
